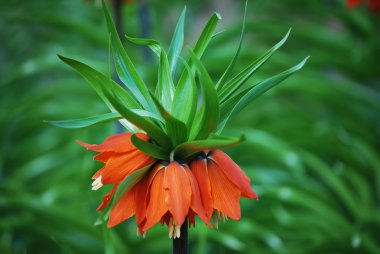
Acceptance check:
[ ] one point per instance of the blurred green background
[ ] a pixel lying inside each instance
(313, 143)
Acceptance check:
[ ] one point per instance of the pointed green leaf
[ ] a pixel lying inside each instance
(184, 94)
(185, 97)
(151, 149)
(190, 148)
(177, 42)
(152, 130)
(236, 82)
(145, 113)
(152, 44)
(176, 129)
(206, 35)
(165, 86)
(239, 101)
(128, 183)
(85, 122)
(99, 83)
(228, 71)
(207, 117)
(125, 68)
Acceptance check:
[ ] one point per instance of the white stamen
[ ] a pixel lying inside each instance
(177, 231)
(97, 183)
(171, 228)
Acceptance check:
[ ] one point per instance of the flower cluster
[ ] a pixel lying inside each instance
(168, 166)
(208, 185)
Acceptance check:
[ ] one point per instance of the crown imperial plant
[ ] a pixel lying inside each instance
(168, 167)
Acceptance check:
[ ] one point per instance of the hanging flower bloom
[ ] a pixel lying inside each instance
(222, 183)
(121, 158)
(374, 5)
(182, 124)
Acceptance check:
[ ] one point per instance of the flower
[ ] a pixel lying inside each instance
(121, 158)
(221, 182)
(374, 5)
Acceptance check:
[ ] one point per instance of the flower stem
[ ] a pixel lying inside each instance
(180, 245)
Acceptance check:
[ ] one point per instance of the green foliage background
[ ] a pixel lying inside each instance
(312, 146)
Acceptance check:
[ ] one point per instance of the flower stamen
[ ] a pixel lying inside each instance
(97, 183)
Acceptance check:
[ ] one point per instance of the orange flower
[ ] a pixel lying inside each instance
(221, 183)
(121, 158)
(172, 195)
(374, 5)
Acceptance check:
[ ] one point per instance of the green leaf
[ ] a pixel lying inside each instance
(239, 101)
(152, 44)
(152, 130)
(165, 86)
(125, 68)
(145, 113)
(151, 149)
(207, 118)
(226, 90)
(185, 97)
(176, 129)
(128, 182)
(190, 148)
(227, 72)
(85, 122)
(184, 94)
(206, 35)
(177, 42)
(100, 83)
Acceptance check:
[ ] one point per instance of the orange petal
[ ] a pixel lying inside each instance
(234, 173)
(107, 198)
(199, 169)
(120, 166)
(177, 185)
(156, 205)
(98, 173)
(103, 157)
(119, 143)
(129, 205)
(225, 194)
(196, 202)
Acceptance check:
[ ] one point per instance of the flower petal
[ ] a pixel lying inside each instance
(234, 173)
(119, 143)
(107, 198)
(103, 157)
(156, 205)
(120, 166)
(225, 194)
(177, 185)
(196, 201)
(199, 169)
(130, 204)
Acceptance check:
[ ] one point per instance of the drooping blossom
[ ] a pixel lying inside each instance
(222, 183)
(120, 157)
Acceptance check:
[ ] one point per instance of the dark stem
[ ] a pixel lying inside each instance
(117, 5)
(180, 245)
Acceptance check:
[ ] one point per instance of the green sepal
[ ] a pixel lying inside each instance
(176, 44)
(176, 129)
(125, 68)
(128, 183)
(207, 117)
(239, 101)
(150, 148)
(236, 82)
(85, 122)
(187, 149)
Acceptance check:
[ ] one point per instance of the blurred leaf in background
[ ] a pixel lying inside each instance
(312, 144)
